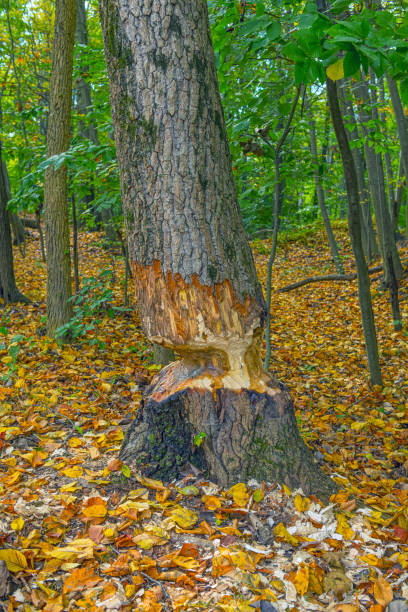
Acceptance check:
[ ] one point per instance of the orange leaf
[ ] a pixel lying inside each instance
(383, 591)
(82, 577)
(95, 508)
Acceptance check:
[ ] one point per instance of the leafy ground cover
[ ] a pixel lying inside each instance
(79, 531)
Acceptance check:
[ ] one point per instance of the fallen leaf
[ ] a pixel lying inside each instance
(15, 560)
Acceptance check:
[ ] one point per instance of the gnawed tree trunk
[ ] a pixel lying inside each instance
(59, 290)
(194, 275)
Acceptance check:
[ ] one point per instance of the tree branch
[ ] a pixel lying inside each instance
(324, 277)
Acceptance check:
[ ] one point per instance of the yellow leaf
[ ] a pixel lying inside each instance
(17, 524)
(281, 532)
(343, 528)
(15, 560)
(186, 562)
(301, 580)
(370, 559)
(109, 533)
(301, 503)
(73, 472)
(335, 72)
(287, 490)
(184, 517)
(243, 560)
(130, 590)
(149, 482)
(383, 591)
(74, 442)
(357, 426)
(239, 494)
(211, 502)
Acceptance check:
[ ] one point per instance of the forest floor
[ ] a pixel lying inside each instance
(78, 531)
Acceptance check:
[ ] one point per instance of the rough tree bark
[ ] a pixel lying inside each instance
(59, 290)
(16, 224)
(368, 235)
(8, 288)
(193, 270)
(354, 222)
(375, 172)
(402, 129)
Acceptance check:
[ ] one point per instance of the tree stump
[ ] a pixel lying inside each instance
(242, 434)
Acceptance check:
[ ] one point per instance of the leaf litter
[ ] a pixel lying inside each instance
(80, 531)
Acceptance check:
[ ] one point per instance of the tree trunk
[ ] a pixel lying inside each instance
(8, 289)
(321, 199)
(354, 220)
(401, 121)
(402, 129)
(59, 290)
(194, 276)
(84, 105)
(162, 355)
(16, 224)
(387, 155)
(375, 173)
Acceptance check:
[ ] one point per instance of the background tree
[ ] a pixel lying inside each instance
(59, 307)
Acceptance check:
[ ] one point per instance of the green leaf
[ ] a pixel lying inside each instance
(126, 471)
(404, 90)
(255, 24)
(351, 63)
(273, 31)
(339, 6)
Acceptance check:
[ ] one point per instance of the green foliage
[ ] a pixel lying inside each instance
(199, 439)
(13, 348)
(93, 299)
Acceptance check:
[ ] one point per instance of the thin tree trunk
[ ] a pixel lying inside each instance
(387, 155)
(402, 129)
(392, 265)
(16, 224)
(400, 191)
(8, 289)
(75, 243)
(194, 276)
(375, 172)
(320, 197)
(401, 121)
(41, 233)
(271, 260)
(84, 105)
(354, 220)
(59, 291)
(370, 245)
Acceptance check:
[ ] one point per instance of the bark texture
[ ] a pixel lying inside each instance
(8, 288)
(354, 222)
(194, 276)
(59, 290)
(246, 434)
